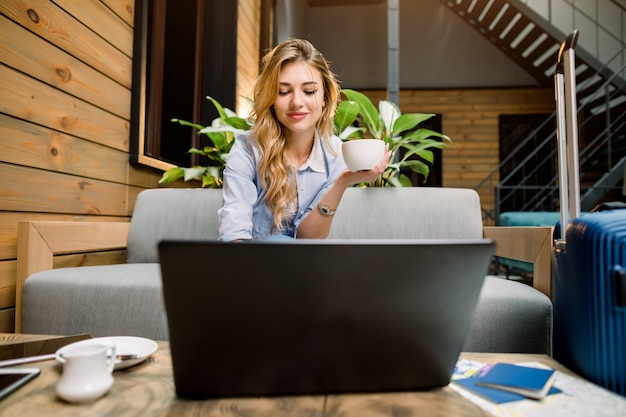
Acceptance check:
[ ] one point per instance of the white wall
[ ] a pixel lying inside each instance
(437, 48)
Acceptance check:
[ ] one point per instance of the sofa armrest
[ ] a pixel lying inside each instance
(39, 241)
(530, 244)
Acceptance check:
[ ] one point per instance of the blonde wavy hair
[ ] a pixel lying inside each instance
(275, 174)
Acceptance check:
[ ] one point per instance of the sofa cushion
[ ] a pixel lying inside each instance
(171, 214)
(408, 213)
(529, 218)
(510, 317)
(109, 300)
(115, 300)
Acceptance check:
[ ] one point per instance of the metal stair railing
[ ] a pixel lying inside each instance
(549, 191)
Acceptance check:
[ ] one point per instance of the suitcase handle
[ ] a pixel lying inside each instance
(567, 134)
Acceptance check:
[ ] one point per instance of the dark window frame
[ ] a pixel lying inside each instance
(216, 36)
(536, 175)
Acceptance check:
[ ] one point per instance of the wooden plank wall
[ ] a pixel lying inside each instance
(248, 52)
(65, 92)
(470, 117)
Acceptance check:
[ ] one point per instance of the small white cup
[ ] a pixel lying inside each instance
(87, 372)
(362, 154)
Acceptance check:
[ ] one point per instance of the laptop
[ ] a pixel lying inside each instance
(311, 317)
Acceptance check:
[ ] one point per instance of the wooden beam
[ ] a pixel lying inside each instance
(39, 241)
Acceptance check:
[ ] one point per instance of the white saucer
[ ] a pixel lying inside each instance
(139, 348)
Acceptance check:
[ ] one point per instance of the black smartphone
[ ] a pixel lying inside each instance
(13, 378)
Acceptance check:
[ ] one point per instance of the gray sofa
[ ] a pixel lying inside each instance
(126, 299)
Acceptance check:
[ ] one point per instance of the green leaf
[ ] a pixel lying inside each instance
(218, 107)
(212, 178)
(186, 123)
(421, 149)
(405, 181)
(422, 133)
(418, 166)
(416, 148)
(426, 155)
(222, 135)
(222, 141)
(369, 113)
(202, 152)
(409, 121)
(210, 182)
(346, 114)
(238, 123)
(171, 174)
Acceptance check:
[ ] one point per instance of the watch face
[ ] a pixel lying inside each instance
(325, 210)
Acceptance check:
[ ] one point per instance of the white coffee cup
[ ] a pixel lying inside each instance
(363, 154)
(87, 372)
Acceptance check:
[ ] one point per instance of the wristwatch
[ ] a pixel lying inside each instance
(325, 210)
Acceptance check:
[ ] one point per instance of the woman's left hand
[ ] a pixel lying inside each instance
(370, 174)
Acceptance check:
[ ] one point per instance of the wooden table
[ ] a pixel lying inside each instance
(148, 390)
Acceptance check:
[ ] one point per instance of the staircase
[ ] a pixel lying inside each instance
(533, 42)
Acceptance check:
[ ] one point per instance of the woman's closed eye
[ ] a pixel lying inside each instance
(283, 93)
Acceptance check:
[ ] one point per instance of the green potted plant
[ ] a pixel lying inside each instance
(358, 118)
(222, 133)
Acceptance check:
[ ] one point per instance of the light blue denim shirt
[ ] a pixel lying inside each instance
(245, 215)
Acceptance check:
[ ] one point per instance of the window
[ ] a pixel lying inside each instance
(184, 50)
(527, 170)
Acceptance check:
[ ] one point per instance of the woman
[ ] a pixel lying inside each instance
(286, 176)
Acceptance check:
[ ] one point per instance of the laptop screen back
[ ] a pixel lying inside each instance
(313, 317)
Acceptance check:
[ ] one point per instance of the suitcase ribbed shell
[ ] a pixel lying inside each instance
(588, 298)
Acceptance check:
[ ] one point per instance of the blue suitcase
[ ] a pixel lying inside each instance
(589, 282)
(589, 298)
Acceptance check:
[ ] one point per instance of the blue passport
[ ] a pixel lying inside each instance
(522, 380)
